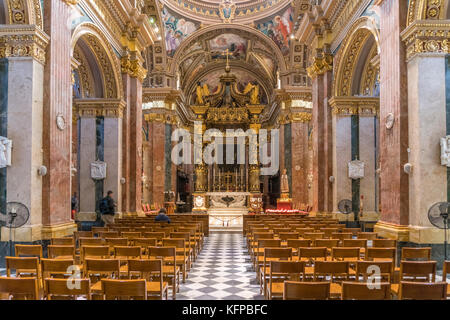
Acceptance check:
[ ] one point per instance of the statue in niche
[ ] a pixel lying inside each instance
(98, 170)
(252, 90)
(445, 151)
(5, 152)
(284, 182)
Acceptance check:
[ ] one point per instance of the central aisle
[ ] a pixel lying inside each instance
(223, 271)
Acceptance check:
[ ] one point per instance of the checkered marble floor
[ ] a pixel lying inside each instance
(223, 271)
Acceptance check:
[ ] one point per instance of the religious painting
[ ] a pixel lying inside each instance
(236, 46)
(279, 28)
(176, 30)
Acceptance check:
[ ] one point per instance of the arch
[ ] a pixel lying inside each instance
(426, 9)
(216, 29)
(362, 36)
(3, 11)
(189, 90)
(107, 60)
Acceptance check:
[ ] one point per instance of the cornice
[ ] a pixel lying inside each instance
(427, 37)
(23, 41)
(91, 108)
(349, 106)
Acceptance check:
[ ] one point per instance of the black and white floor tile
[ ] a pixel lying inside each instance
(223, 271)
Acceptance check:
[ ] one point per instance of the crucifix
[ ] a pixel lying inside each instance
(227, 53)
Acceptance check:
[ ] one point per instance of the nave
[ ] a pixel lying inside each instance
(223, 271)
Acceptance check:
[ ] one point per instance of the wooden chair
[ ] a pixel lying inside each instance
(415, 271)
(271, 254)
(384, 243)
(90, 241)
(170, 269)
(125, 253)
(113, 242)
(109, 234)
(367, 235)
(327, 243)
(97, 230)
(98, 269)
(24, 250)
(341, 236)
(62, 242)
(124, 289)
(365, 269)
(381, 254)
(353, 231)
(23, 266)
(258, 252)
(61, 252)
(152, 271)
(338, 271)
(288, 235)
(144, 243)
(19, 288)
(422, 291)
(182, 258)
(281, 271)
(94, 252)
(57, 289)
(423, 254)
(345, 253)
(297, 243)
(156, 235)
(60, 268)
(328, 232)
(313, 235)
(82, 234)
(445, 271)
(306, 290)
(361, 291)
(190, 245)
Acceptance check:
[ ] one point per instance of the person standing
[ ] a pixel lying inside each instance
(107, 208)
(74, 204)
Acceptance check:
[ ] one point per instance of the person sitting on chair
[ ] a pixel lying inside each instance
(162, 217)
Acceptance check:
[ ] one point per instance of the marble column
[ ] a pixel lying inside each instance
(87, 150)
(147, 155)
(427, 124)
(113, 158)
(24, 128)
(367, 154)
(157, 137)
(135, 155)
(126, 80)
(393, 103)
(56, 204)
(300, 163)
(322, 135)
(342, 155)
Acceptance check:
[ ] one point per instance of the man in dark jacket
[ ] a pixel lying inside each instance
(162, 217)
(107, 208)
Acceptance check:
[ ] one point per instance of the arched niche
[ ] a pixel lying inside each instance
(88, 40)
(354, 67)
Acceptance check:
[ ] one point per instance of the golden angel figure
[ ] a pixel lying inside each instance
(253, 89)
(200, 95)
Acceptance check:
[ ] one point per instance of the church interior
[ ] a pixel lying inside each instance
(224, 149)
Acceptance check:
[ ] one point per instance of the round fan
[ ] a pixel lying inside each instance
(345, 207)
(438, 216)
(17, 214)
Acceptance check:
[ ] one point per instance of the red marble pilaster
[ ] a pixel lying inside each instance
(135, 155)
(126, 79)
(393, 99)
(158, 169)
(57, 101)
(328, 141)
(318, 165)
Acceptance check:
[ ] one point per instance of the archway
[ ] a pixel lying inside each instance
(97, 105)
(355, 106)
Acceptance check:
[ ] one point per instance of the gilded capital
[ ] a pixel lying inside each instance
(320, 66)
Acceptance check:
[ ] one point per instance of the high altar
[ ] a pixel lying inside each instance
(230, 187)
